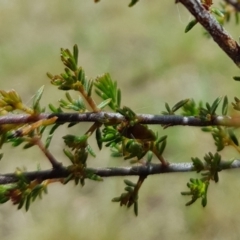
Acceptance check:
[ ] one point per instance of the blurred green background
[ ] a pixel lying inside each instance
(145, 49)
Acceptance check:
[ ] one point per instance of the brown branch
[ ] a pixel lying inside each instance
(48, 154)
(218, 33)
(89, 99)
(143, 170)
(115, 118)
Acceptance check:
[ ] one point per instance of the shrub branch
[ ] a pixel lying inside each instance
(115, 118)
(218, 33)
(140, 170)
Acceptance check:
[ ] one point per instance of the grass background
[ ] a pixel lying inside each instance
(145, 49)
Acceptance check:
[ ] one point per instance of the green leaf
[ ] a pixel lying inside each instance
(204, 196)
(3, 199)
(129, 183)
(116, 199)
(98, 138)
(75, 53)
(90, 150)
(179, 105)
(101, 94)
(68, 178)
(198, 164)
(236, 17)
(54, 109)
(132, 3)
(118, 98)
(88, 87)
(129, 189)
(107, 88)
(190, 25)
(74, 141)
(21, 203)
(236, 78)
(233, 137)
(104, 103)
(215, 105)
(136, 208)
(37, 99)
(68, 96)
(204, 201)
(76, 180)
(82, 181)
(225, 106)
(28, 145)
(69, 154)
(68, 59)
(161, 148)
(218, 12)
(168, 108)
(149, 156)
(28, 201)
(50, 136)
(92, 176)
(81, 75)
(161, 139)
(206, 129)
(208, 107)
(17, 141)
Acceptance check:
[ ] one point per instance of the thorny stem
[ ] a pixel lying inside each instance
(218, 33)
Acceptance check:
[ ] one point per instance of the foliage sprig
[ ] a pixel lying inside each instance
(128, 138)
(199, 187)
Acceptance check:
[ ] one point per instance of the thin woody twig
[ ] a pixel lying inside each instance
(50, 157)
(114, 118)
(141, 170)
(218, 33)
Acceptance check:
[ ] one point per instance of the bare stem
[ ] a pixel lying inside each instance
(50, 157)
(89, 99)
(218, 33)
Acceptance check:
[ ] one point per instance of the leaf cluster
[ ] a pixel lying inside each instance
(209, 170)
(130, 196)
(24, 192)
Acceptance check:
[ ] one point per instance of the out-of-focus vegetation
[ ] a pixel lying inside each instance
(146, 51)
